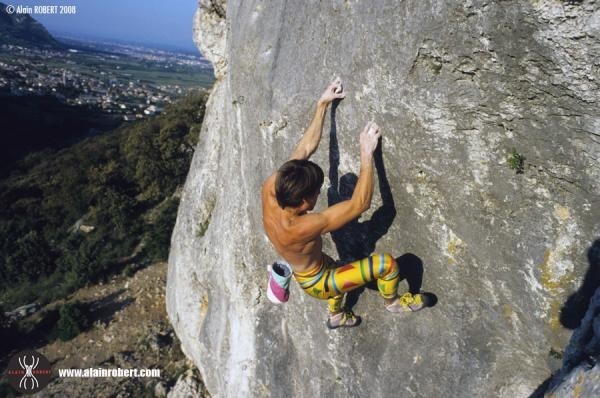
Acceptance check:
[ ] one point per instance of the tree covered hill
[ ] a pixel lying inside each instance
(33, 122)
(23, 30)
(101, 206)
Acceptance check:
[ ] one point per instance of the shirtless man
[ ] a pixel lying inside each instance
(289, 196)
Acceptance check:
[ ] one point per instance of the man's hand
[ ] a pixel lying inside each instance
(334, 91)
(369, 138)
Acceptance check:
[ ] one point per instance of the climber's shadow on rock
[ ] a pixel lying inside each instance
(357, 239)
(577, 304)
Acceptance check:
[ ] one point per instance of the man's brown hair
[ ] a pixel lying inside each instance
(297, 180)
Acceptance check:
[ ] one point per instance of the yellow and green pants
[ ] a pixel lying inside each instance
(329, 282)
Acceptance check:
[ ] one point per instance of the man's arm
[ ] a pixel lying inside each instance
(312, 136)
(338, 215)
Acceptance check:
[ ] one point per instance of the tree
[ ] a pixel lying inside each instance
(30, 257)
(159, 233)
(72, 320)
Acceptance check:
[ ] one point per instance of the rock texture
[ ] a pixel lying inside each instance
(187, 386)
(579, 375)
(491, 143)
(582, 382)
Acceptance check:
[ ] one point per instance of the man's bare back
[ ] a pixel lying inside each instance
(284, 229)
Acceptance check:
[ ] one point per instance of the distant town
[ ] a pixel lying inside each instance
(131, 81)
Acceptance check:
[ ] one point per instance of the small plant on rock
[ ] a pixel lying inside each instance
(516, 161)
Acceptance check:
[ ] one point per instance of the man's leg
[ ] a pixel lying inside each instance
(334, 304)
(379, 267)
(337, 316)
(331, 282)
(339, 280)
(382, 268)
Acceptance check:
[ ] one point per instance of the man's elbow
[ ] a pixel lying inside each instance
(361, 206)
(309, 150)
(365, 206)
(301, 152)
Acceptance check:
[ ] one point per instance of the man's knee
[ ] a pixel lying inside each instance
(389, 261)
(390, 266)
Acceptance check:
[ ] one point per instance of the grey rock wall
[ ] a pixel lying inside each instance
(579, 375)
(455, 87)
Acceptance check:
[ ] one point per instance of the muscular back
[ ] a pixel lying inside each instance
(291, 234)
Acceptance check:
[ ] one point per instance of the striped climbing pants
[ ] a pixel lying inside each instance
(331, 282)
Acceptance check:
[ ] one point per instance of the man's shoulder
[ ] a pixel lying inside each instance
(268, 185)
(268, 189)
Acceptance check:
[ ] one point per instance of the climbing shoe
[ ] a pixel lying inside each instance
(278, 287)
(345, 319)
(408, 303)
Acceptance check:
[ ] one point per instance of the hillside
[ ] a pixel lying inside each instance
(23, 30)
(105, 205)
(34, 122)
(126, 326)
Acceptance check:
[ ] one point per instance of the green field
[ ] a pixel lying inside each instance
(148, 72)
(124, 68)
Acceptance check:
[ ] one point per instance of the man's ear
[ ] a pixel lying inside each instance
(305, 205)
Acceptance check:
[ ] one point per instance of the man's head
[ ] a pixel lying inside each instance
(298, 181)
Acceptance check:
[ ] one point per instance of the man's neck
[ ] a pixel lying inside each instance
(295, 211)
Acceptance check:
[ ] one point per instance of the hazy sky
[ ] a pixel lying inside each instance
(146, 21)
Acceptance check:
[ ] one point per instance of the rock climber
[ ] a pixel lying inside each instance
(288, 198)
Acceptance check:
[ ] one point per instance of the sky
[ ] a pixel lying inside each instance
(165, 22)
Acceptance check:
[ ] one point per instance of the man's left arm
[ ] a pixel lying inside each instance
(312, 136)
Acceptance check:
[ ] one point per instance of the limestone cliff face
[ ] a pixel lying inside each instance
(489, 177)
(580, 374)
